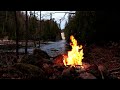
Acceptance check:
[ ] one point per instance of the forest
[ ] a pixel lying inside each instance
(97, 27)
(48, 31)
(91, 49)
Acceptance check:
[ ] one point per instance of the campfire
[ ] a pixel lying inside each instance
(75, 56)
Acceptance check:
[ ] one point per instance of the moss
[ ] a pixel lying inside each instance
(22, 71)
(30, 71)
(34, 60)
(29, 59)
(41, 53)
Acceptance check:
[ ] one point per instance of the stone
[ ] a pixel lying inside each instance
(86, 75)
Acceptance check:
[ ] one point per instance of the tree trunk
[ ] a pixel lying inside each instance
(17, 30)
(40, 29)
(34, 35)
(26, 33)
(3, 28)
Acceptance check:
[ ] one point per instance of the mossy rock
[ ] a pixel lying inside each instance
(41, 53)
(34, 60)
(29, 59)
(22, 71)
(30, 71)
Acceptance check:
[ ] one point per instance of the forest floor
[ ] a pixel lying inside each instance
(107, 56)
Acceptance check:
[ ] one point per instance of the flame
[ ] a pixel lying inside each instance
(75, 56)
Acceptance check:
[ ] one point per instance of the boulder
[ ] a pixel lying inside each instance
(41, 53)
(34, 60)
(30, 71)
(69, 73)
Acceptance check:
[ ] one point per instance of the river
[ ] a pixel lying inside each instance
(52, 48)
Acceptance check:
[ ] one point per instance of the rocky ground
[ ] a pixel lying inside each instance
(100, 62)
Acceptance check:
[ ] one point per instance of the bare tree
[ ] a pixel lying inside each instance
(17, 30)
(4, 23)
(34, 34)
(26, 33)
(40, 29)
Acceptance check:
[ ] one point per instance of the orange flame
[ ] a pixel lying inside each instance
(75, 56)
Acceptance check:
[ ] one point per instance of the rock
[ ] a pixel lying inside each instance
(22, 71)
(34, 60)
(69, 73)
(48, 69)
(41, 53)
(30, 71)
(56, 75)
(86, 65)
(59, 67)
(100, 71)
(40, 63)
(106, 74)
(86, 75)
(28, 59)
(93, 69)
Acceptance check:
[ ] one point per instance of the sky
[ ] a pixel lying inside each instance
(57, 15)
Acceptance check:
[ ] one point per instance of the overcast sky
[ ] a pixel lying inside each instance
(57, 16)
